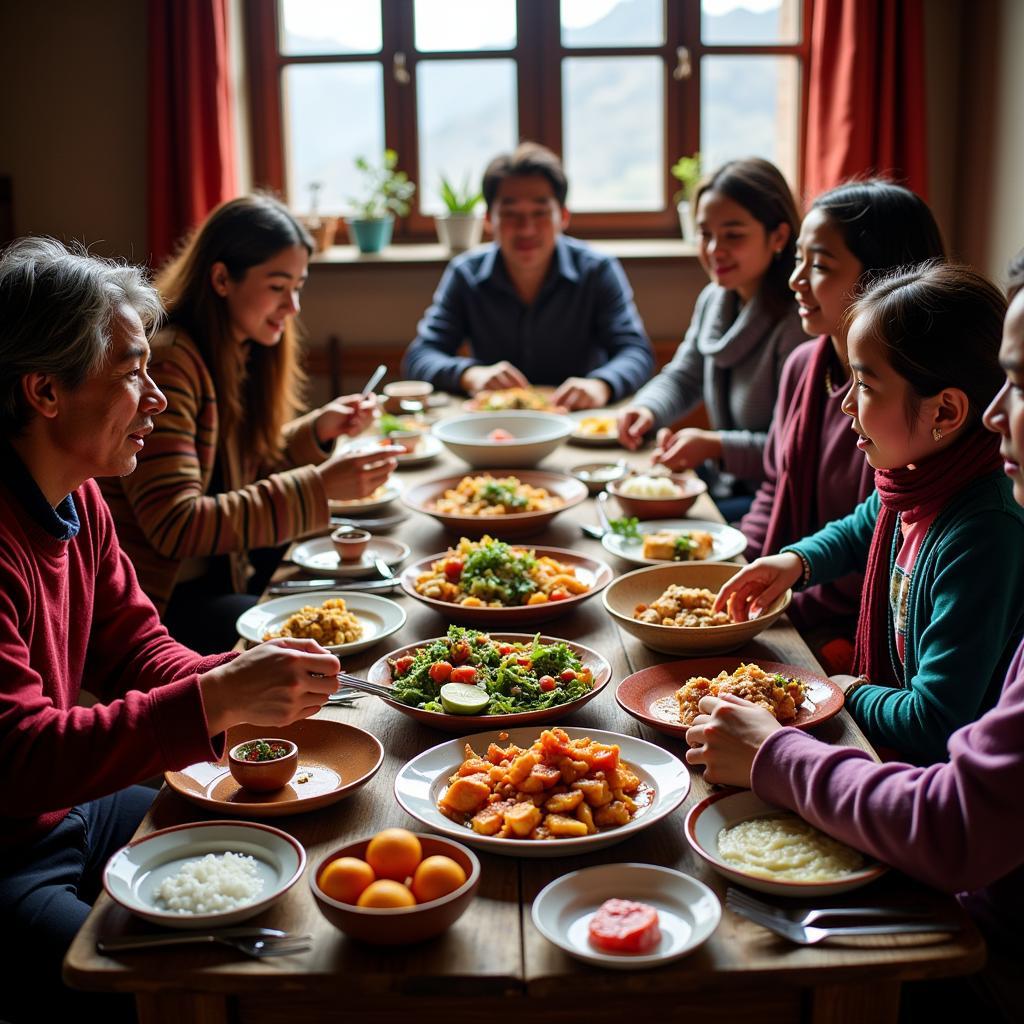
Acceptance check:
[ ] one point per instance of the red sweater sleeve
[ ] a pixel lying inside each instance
(72, 615)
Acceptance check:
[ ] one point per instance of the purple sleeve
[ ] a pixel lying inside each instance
(950, 825)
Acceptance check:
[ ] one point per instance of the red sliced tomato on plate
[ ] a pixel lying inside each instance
(625, 926)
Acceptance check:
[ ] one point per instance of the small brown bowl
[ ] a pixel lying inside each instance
(661, 508)
(350, 544)
(400, 925)
(409, 440)
(264, 776)
(400, 391)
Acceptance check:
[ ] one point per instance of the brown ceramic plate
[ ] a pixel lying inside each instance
(660, 508)
(334, 758)
(648, 695)
(597, 574)
(380, 673)
(423, 498)
(642, 586)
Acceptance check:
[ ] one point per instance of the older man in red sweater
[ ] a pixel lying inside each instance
(76, 402)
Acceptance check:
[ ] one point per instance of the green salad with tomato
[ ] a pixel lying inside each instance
(516, 677)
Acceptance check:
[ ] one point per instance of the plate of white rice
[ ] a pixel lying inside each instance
(204, 874)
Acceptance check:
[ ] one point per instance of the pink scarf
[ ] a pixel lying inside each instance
(916, 493)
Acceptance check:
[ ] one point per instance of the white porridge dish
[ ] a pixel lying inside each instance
(761, 855)
(204, 874)
(787, 847)
(650, 487)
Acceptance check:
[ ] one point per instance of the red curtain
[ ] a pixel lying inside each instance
(866, 103)
(192, 162)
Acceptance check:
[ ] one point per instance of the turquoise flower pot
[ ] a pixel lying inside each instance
(370, 235)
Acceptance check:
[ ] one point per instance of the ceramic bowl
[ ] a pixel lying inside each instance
(534, 435)
(400, 925)
(423, 498)
(642, 586)
(350, 543)
(400, 391)
(407, 440)
(599, 475)
(660, 508)
(264, 776)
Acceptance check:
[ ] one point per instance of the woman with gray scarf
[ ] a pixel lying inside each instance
(744, 326)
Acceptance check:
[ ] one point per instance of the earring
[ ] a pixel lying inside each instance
(936, 434)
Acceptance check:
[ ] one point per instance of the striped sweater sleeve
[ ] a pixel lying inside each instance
(167, 492)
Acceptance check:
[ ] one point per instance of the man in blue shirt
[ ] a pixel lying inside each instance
(535, 306)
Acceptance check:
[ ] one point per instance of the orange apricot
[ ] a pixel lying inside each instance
(436, 877)
(386, 893)
(345, 879)
(394, 853)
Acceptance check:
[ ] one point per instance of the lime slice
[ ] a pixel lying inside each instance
(463, 699)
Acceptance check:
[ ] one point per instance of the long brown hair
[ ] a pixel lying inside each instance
(259, 388)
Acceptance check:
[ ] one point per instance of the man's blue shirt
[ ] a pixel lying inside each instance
(583, 322)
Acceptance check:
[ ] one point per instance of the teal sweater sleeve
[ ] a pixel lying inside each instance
(961, 630)
(841, 546)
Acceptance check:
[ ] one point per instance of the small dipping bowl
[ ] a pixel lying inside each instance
(400, 391)
(407, 439)
(597, 475)
(399, 925)
(264, 776)
(350, 543)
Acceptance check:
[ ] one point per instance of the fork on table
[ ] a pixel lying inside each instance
(254, 942)
(799, 927)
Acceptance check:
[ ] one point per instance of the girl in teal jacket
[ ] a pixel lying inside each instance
(941, 541)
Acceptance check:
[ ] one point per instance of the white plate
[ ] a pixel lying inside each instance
(320, 556)
(371, 504)
(422, 780)
(136, 870)
(595, 440)
(728, 541)
(379, 617)
(688, 911)
(720, 810)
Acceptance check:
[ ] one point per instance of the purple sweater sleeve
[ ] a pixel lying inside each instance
(956, 825)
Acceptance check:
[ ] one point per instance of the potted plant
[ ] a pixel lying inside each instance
(462, 223)
(386, 191)
(321, 227)
(686, 170)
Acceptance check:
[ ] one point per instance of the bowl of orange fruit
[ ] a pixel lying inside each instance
(397, 887)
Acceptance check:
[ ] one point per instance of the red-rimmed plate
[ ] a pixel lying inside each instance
(597, 575)
(335, 760)
(380, 673)
(423, 498)
(649, 695)
(706, 820)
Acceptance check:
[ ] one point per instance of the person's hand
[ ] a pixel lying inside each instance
(582, 393)
(274, 684)
(726, 737)
(490, 378)
(686, 448)
(349, 415)
(634, 422)
(349, 475)
(755, 586)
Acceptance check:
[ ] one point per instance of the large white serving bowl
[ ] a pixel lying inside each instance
(134, 873)
(422, 780)
(688, 911)
(721, 810)
(537, 435)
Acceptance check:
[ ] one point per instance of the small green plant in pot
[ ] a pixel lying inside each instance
(687, 171)
(461, 225)
(386, 191)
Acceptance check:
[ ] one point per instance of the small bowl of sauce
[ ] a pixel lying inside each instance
(597, 475)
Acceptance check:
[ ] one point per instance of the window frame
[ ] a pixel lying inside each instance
(539, 75)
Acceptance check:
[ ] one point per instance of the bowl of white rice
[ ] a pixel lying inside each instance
(657, 496)
(204, 874)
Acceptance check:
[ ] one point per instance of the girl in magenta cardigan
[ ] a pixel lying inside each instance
(813, 471)
(956, 825)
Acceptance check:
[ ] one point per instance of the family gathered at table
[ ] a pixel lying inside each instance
(866, 404)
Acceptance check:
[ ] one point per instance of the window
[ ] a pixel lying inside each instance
(620, 88)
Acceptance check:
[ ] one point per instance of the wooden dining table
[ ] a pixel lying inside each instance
(493, 964)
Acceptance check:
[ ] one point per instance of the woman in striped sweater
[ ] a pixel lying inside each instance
(228, 468)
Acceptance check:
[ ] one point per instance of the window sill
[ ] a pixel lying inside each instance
(628, 250)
